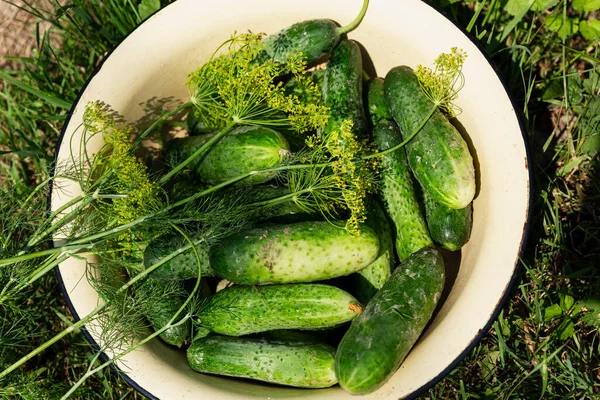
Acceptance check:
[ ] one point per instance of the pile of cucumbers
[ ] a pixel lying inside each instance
(293, 289)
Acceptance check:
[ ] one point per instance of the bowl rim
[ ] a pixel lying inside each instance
(481, 332)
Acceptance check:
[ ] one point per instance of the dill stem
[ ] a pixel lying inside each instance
(24, 257)
(48, 265)
(197, 153)
(408, 139)
(93, 313)
(39, 236)
(281, 199)
(155, 124)
(352, 25)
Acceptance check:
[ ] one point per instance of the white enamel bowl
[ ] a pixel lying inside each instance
(151, 64)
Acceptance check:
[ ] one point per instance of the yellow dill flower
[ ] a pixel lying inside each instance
(121, 175)
(237, 87)
(354, 176)
(443, 83)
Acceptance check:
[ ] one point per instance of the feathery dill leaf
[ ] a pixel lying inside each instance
(443, 83)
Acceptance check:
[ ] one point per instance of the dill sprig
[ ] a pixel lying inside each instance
(443, 83)
(353, 175)
(236, 87)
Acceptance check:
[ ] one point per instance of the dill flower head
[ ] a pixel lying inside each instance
(354, 176)
(119, 173)
(443, 83)
(235, 87)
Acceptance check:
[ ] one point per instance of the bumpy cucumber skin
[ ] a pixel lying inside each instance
(313, 38)
(398, 193)
(299, 252)
(160, 316)
(438, 156)
(380, 338)
(182, 266)
(291, 363)
(244, 149)
(368, 281)
(241, 310)
(449, 227)
(378, 110)
(342, 89)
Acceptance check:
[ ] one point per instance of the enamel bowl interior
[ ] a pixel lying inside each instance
(148, 71)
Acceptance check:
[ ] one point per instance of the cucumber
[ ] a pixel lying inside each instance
(368, 281)
(241, 310)
(299, 252)
(244, 149)
(449, 227)
(287, 334)
(378, 110)
(182, 266)
(313, 38)
(159, 309)
(342, 89)
(380, 338)
(398, 193)
(291, 363)
(438, 156)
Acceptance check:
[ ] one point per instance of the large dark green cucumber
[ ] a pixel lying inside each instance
(291, 363)
(241, 310)
(159, 309)
(368, 281)
(380, 338)
(378, 110)
(313, 38)
(449, 227)
(299, 252)
(398, 193)
(182, 266)
(342, 89)
(243, 150)
(438, 156)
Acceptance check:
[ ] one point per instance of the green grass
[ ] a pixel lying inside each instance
(545, 343)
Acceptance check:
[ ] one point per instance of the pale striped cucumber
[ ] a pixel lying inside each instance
(368, 281)
(291, 363)
(438, 155)
(243, 150)
(299, 252)
(398, 193)
(182, 266)
(241, 310)
(380, 338)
